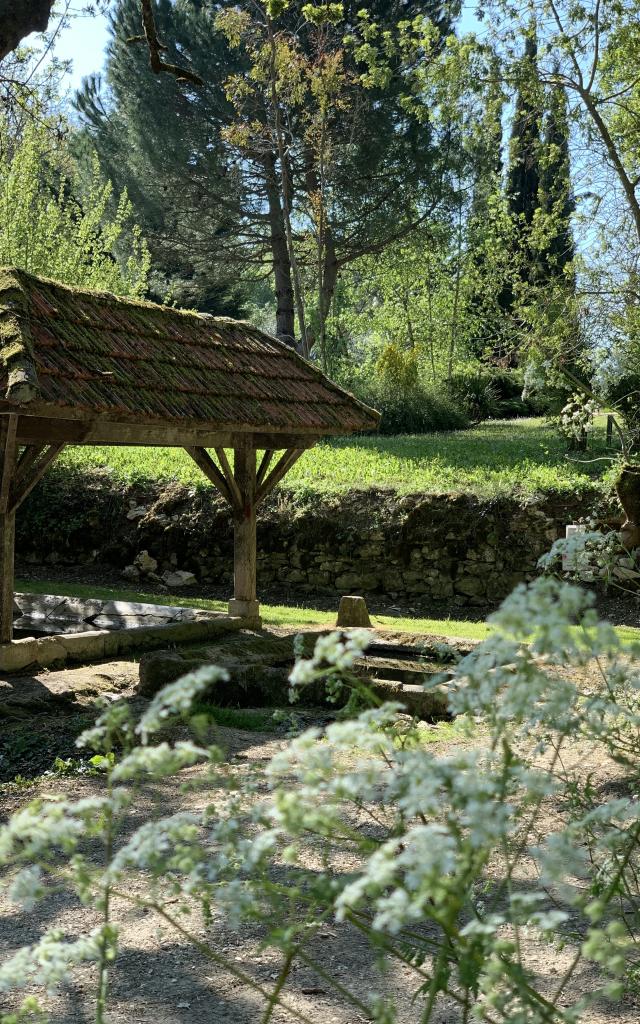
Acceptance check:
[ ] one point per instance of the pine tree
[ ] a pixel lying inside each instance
(212, 211)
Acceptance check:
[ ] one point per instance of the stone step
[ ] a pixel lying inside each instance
(428, 704)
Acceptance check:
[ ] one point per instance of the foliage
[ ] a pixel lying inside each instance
(489, 393)
(284, 143)
(524, 458)
(50, 225)
(393, 386)
(587, 65)
(154, 138)
(436, 843)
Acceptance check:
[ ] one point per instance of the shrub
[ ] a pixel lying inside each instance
(443, 862)
(488, 393)
(623, 394)
(422, 411)
(392, 384)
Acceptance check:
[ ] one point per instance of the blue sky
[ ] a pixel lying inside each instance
(84, 41)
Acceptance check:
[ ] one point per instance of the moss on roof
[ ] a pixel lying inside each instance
(98, 353)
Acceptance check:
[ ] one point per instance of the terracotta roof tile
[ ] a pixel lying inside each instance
(92, 351)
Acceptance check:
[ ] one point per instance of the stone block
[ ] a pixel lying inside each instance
(392, 580)
(179, 578)
(353, 611)
(471, 586)
(49, 651)
(18, 654)
(244, 609)
(348, 581)
(87, 646)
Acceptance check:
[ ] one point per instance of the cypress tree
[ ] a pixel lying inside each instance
(522, 191)
(523, 179)
(556, 196)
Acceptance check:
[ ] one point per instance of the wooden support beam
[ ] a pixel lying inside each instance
(245, 599)
(7, 546)
(204, 461)
(46, 426)
(232, 483)
(30, 453)
(265, 462)
(28, 476)
(281, 468)
(8, 451)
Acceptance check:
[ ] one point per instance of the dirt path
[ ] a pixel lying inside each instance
(159, 977)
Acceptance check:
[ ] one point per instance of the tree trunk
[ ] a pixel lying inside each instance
(18, 18)
(329, 267)
(287, 186)
(628, 491)
(285, 320)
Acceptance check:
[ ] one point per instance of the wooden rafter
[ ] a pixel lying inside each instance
(30, 453)
(281, 468)
(45, 426)
(30, 471)
(232, 484)
(204, 461)
(265, 462)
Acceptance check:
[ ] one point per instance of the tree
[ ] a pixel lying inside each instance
(556, 199)
(51, 225)
(158, 138)
(522, 192)
(523, 175)
(384, 163)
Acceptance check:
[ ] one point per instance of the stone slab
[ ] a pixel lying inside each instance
(91, 644)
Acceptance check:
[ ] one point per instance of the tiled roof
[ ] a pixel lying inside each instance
(96, 353)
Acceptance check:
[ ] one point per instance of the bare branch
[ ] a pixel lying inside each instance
(158, 65)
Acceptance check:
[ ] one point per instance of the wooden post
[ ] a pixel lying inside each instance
(7, 544)
(245, 600)
(8, 452)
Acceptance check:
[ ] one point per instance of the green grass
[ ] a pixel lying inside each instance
(272, 615)
(500, 457)
(236, 718)
(290, 616)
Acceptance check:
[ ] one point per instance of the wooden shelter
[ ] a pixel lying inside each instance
(83, 367)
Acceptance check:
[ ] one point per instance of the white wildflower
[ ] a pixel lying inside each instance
(159, 760)
(177, 698)
(49, 961)
(27, 887)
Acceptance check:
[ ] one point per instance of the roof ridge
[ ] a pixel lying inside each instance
(16, 341)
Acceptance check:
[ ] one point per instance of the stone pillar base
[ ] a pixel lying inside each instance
(245, 609)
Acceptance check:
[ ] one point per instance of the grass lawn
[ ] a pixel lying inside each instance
(521, 457)
(272, 614)
(292, 616)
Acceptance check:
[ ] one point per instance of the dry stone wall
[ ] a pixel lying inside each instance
(417, 549)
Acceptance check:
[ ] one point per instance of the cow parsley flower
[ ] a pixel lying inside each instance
(177, 698)
(159, 761)
(27, 887)
(49, 961)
